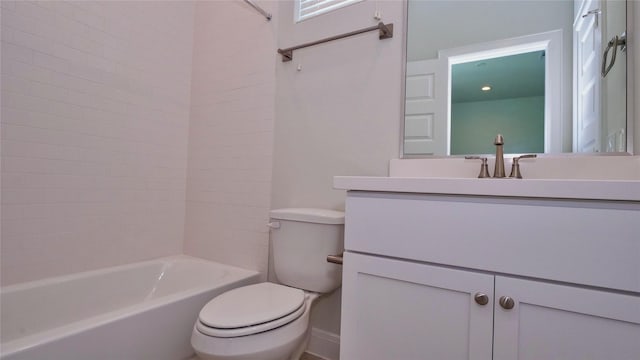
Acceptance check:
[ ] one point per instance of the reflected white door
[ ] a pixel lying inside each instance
(586, 45)
(425, 122)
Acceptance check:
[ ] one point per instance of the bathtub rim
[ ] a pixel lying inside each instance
(110, 269)
(24, 343)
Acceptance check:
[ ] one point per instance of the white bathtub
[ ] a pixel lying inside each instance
(142, 311)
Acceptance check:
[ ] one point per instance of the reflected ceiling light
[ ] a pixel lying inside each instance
(486, 88)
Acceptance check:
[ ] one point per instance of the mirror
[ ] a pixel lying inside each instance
(500, 95)
(540, 64)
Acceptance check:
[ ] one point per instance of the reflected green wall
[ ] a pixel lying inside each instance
(474, 125)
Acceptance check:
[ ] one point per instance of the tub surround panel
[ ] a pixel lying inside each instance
(95, 112)
(231, 134)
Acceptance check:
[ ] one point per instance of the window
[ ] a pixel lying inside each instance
(306, 9)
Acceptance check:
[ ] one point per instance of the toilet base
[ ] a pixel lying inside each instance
(254, 347)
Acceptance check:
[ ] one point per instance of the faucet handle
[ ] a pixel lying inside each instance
(515, 167)
(484, 168)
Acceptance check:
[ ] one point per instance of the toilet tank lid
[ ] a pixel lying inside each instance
(318, 216)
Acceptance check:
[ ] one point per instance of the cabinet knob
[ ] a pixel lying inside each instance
(507, 302)
(481, 298)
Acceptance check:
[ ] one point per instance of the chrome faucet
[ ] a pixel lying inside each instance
(498, 171)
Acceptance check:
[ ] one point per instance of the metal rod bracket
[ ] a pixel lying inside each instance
(287, 54)
(386, 31)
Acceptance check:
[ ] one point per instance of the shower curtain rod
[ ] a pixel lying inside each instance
(259, 9)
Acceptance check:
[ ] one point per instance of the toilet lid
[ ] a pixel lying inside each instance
(251, 305)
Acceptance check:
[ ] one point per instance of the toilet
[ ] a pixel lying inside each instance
(269, 321)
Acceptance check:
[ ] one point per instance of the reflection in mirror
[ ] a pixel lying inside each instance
(499, 95)
(583, 112)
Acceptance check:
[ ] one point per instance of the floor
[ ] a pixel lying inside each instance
(307, 356)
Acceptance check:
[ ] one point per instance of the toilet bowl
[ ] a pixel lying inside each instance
(260, 333)
(269, 321)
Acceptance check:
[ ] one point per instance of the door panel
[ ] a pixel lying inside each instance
(552, 321)
(401, 310)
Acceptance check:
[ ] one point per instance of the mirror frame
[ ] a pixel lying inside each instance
(632, 66)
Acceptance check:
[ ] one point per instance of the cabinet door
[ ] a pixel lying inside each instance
(394, 309)
(550, 321)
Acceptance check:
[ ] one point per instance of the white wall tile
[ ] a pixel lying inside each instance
(95, 119)
(231, 135)
(15, 52)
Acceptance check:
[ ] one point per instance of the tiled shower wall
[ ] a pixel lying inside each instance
(95, 117)
(231, 134)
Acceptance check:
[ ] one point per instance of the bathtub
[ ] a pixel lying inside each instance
(140, 311)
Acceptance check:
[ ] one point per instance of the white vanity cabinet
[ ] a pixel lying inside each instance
(424, 275)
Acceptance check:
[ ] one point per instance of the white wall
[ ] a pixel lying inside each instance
(339, 115)
(95, 111)
(231, 134)
(432, 28)
(474, 125)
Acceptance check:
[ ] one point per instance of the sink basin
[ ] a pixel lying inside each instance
(615, 178)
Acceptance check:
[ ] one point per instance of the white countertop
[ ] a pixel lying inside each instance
(548, 176)
(626, 190)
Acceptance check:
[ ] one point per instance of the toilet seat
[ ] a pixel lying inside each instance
(250, 310)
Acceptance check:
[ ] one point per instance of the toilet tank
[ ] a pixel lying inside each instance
(301, 240)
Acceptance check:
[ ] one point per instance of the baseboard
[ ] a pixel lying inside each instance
(324, 344)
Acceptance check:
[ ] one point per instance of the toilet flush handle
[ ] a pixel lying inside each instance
(274, 225)
(335, 259)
